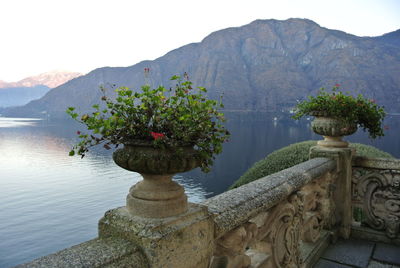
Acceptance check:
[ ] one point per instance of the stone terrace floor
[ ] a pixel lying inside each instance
(360, 254)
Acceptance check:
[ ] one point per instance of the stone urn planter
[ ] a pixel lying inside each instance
(156, 196)
(332, 129)
(164, 131)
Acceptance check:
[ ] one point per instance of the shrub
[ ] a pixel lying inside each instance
(292, 155)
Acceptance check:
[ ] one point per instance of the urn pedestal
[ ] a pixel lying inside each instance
(157, 195)
(333, 130)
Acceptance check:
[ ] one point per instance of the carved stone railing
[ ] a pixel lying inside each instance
(376, 198)
(274, 221)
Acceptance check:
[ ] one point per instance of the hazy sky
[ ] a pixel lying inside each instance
(81, 35)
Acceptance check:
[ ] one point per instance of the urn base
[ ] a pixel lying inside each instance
(157, 196)
(335, 142)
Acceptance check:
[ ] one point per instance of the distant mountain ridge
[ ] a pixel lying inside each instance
(50, 79)
(17, 96)
(32, 88)
(267, 65)
(392, 38)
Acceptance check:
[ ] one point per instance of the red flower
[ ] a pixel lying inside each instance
(337, 85)
(78, 132)
(156, 135)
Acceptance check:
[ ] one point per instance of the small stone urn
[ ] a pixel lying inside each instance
(332, 129)
(156, 196)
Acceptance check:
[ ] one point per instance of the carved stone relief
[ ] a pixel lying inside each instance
(319, 207)
(272, 238)
(379, 193)
(269, 240)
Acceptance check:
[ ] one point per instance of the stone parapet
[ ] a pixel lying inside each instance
(235, 207)
(110, 253)
(276, 221)
(376, 163)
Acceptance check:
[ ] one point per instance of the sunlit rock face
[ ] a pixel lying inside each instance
(266, 65)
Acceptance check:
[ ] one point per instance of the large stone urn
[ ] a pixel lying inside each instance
(332, 129)
(156, 196)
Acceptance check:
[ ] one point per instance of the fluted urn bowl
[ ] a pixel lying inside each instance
(143, 157)
(332, 129)
(156, 196)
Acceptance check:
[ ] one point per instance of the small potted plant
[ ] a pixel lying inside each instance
(338, 114)
(164, 132)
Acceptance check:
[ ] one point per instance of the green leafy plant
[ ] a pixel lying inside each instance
(359, 110)
(163, 118)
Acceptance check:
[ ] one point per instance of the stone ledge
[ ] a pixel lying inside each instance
(235, 207)
(179, 241)
(94, 253)
(377, 163)
(366, 233)
(118, 222)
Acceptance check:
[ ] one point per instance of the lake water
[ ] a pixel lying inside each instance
(50, 201)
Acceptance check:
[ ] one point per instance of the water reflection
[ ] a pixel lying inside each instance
(17, 122)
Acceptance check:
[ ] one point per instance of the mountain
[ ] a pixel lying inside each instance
(392, 38)
(32, 88)
(50, 79)
(18, 96)
(266, 65)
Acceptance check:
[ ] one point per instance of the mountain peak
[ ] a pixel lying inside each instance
(290, 20)
(50, 79)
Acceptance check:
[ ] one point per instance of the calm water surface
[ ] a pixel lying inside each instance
(50, 201)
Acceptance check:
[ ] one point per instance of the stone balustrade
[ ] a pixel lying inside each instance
(264, 223)
(282, 220)
(376, 199)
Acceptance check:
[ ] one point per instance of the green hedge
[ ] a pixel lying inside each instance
(292, 155)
